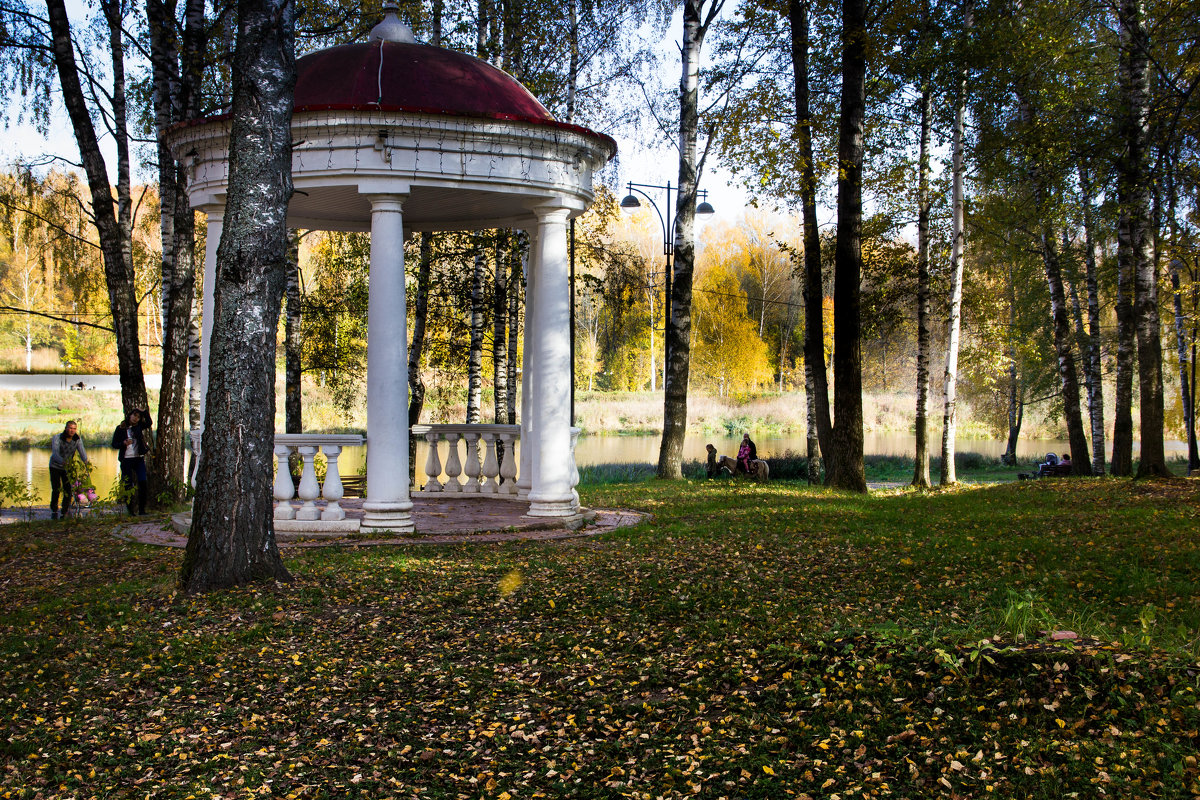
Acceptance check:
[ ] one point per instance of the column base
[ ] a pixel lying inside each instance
(387, 516)
(564, 507)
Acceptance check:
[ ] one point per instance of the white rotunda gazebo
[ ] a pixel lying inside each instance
(392, 136)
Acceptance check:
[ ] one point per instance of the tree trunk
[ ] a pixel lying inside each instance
(814, 287)
(678, 332)
(293, 410)
(950, 377)
(1095, 364)
(416, 383)
(921, 468)
(515, 292)
(812, 442)
(1059, 312)
(1016, 399)
(1068, 376)
(573, 60)
(195, 379)
(499, 339)
(475, 354)
(176, 73)
(1133, 184)
(232, 539)
(847, 325)
(1185, 385)
(111, 223)
(1122, 448)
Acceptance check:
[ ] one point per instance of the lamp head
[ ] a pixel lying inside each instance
(630, 202)
(705, 209)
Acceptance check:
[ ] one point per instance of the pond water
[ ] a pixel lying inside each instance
(32, 465)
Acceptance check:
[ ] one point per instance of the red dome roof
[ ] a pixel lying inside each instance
(414, 77)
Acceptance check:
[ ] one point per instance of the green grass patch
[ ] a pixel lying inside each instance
(747, 641)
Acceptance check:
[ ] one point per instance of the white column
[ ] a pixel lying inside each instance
(208, 303)
(528, 368)
(551, 495)
(388, 504)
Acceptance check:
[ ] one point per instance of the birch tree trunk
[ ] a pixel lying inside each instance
(847, 470)
(293, 408)
(416, 382)
(1186, 387)
(475, 354)
(812, 443)
(232, 539)
(112, 224)
(958, 234)
(814, 287)
(195, 379)
(515, 293)
(678, 334)
(921, 468)
(1095, 364)
(1016, 399)
(1122, 448)
(499, 339)
(1133, 196)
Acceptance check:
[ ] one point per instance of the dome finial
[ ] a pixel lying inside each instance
(391, 29)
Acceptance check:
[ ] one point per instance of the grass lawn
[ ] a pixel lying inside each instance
(748, 642)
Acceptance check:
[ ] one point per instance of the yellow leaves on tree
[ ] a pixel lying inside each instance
(727, 353)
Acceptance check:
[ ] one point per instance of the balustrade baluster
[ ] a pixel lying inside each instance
(284, 488)
(491, 466)
(433, 465)
(574, 469)
(472, 469)
(310, 490)
(508, 467)
(453, 465)
(332, 490)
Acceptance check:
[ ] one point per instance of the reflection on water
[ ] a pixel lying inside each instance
(33, 465)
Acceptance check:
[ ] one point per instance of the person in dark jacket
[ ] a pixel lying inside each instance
(63, 447)
(129, 440)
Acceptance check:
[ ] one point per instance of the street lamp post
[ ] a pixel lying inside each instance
(703, 209)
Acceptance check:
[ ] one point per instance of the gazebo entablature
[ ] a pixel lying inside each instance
(459, 174)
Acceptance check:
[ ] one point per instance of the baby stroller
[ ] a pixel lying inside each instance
(83, 502)
(1047, 466)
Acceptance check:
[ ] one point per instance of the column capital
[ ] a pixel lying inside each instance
(551, 213)
(214, 210)
(387, 202)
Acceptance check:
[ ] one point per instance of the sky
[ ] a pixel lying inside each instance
(642, 158)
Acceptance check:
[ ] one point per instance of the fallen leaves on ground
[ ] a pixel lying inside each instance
(749, 642)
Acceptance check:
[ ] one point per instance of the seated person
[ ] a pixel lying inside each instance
(1047, 467)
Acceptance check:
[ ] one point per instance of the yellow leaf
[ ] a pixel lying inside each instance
(768, 770)
(552, 604)
(510, 583)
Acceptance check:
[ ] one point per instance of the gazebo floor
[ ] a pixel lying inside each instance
(443, 518)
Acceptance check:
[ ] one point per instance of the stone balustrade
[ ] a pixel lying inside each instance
(307, 445)
(489, 465)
